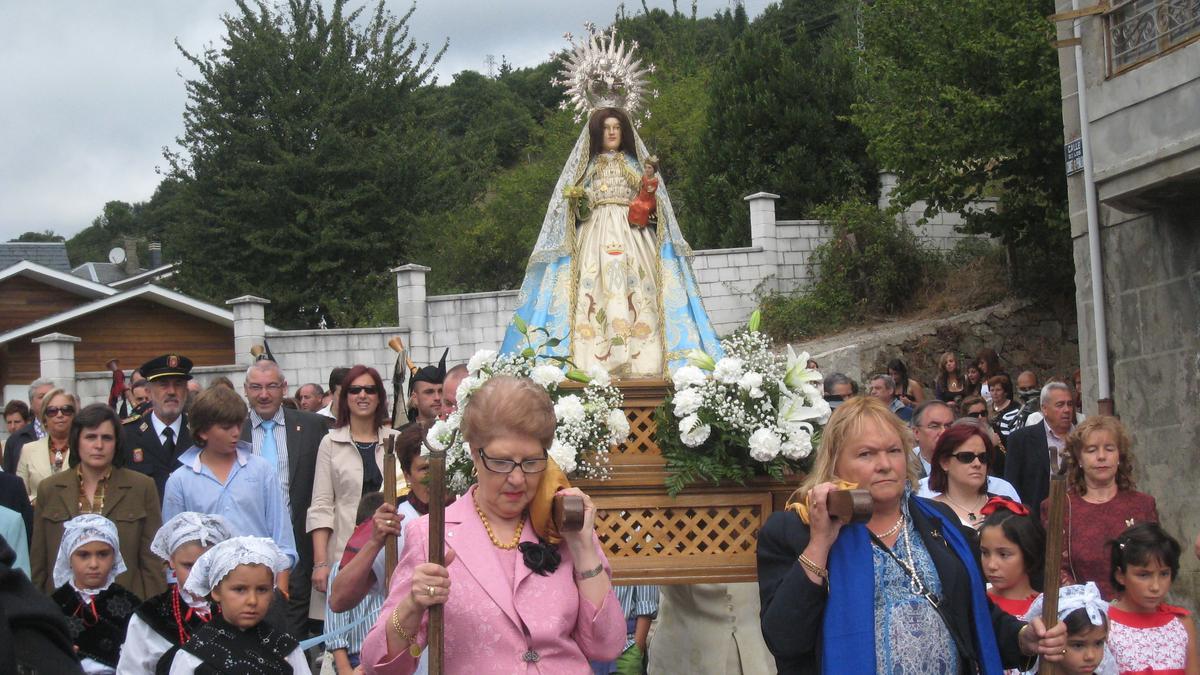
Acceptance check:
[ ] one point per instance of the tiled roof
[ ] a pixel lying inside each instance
(49, 254)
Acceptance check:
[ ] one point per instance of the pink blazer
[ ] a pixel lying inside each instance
(491, 628)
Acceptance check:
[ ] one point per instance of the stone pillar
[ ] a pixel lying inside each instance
(57, 353)
(411, 309)
(765, 235)
(249, 326)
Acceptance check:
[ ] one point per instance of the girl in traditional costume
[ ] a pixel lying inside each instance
(1085, 614)
(239, 575)
(97, 608)
(614, 295)
(164, 623)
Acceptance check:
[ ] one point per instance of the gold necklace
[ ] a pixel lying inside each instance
(492, 535)
(970, 512)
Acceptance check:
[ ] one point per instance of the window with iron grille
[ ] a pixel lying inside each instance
(1139, 30)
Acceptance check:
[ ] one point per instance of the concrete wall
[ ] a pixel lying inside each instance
(937, 230)
(1145, 140)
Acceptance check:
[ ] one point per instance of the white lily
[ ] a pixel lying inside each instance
(700, 359)
(798, 372)
(794, 409)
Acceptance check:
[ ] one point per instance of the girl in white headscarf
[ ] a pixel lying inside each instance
(97, 609)
(1081, 608)
(239, 575)
(162, 624)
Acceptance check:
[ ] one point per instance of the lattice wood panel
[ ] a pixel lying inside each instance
(707, 534)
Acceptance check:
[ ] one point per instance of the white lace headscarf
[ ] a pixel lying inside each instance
(184, 528)
(1085, 597)
(80, 530)
(217, 562)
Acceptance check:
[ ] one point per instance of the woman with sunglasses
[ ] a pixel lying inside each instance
(47, 456)
(516, 600)
(349, 465)
(959, 471)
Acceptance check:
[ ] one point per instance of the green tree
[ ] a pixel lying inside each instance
(962, 101)
(303, 163)
(39, 237)
(776, 122)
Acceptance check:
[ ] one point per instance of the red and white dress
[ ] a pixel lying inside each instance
(1149, 643)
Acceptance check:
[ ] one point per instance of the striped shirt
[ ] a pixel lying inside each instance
(637, 600)
(257, 434)
(335, 621)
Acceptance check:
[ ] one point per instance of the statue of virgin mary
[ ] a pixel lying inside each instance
(617, 295)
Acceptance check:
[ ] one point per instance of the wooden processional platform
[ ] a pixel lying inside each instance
(705, 534)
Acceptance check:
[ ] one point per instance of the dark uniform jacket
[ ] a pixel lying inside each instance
(12, 447)
(144, 451)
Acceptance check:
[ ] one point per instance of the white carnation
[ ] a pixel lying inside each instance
(728, 370)
(751, 383)
(466, 387)
(798, 445)
(569, 409)
(618, 425)
(599, 375)
(764, 445)
(692, 431)
(687, 401)
(688, 376)
(439, 434)
(547, 376)
(563, 455)
(481, 358)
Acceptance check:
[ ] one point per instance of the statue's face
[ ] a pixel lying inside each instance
(612, 134)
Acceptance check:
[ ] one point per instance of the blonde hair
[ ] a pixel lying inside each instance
(1077, 441)
(509, 406)
(848, 421)
(50, 396)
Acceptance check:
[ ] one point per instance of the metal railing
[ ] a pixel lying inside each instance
(1139, 30)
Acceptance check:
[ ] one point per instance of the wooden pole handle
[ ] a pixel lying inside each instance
(437, 552)
(1053, 567)
(389, 496)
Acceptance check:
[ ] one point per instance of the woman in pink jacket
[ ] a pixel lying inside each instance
(514, 604)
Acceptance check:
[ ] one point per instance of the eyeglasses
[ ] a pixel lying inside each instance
(55, 411)
(979, 414)
(273, 387)
(968, 457)
(506, 466)
(362, 389)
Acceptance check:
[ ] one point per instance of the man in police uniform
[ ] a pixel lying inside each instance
(154, 441)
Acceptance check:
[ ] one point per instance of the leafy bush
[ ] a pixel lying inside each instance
(871, 265)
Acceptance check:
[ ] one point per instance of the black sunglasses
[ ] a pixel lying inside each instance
(968, 457)
(981, 414)
(361, 388)
(53, 411)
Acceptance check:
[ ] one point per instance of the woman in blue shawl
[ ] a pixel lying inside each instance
(902, 593)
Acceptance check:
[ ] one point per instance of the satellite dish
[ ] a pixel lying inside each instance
(116, 256)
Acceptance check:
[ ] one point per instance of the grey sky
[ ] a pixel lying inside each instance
(90, 90)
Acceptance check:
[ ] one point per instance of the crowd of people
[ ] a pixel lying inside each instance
(214, 531)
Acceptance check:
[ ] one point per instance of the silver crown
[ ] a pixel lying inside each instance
(601, 73)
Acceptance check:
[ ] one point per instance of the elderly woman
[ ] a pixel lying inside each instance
(512, 603)
(47, 456)
(926, 611)
(349, 465)
(1101, 500)
(97, 482)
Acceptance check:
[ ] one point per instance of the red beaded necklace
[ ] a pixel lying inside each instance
(181, 618)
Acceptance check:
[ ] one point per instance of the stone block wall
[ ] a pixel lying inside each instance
(938, 230)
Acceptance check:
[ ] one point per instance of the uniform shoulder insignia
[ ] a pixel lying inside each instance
(131, 419)
(143, 426)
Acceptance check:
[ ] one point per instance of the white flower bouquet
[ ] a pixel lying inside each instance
(590, 419)
(752, 412)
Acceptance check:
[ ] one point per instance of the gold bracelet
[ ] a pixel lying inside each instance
(414, 649)
(814, 568)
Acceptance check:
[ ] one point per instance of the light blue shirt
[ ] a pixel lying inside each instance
(995, 486)
(249, 499)
(12, 528)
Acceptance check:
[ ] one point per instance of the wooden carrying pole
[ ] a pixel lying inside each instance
(389, 497)
(1054, 548)
(437, 552)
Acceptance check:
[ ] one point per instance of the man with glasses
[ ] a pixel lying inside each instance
(289, 440)
(154, 442)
